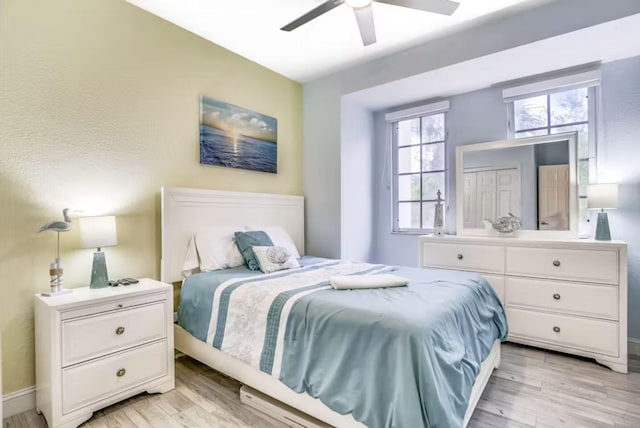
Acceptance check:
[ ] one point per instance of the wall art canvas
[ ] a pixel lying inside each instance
(235, 137)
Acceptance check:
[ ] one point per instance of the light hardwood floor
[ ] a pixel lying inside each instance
(532, 388)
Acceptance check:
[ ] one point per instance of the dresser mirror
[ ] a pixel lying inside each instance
(533, 179)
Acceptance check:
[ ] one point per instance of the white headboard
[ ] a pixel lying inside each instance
(184, 211)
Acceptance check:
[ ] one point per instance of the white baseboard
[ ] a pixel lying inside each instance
(634, 347)
(18, 402)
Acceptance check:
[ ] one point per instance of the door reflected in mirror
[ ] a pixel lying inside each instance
(531, 181)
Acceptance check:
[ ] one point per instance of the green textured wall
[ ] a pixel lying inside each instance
(98, 109)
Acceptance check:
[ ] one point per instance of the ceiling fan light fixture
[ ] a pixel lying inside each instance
(358, 4)
(364, 13)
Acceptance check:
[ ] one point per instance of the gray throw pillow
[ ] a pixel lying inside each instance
(246, 241)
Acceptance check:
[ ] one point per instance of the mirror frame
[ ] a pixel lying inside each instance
(570, 137)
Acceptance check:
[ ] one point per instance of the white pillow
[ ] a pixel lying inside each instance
(217, 248)
(280, 238)
(272, 259)
(191, 263)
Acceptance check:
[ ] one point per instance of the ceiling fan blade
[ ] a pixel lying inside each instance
(312, 14)
(364, 16)
(443, 7)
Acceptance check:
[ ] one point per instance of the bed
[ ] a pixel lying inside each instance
(345, 357)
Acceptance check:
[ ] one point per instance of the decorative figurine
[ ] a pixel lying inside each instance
(506, 225)
(438, 218)
(55, 269)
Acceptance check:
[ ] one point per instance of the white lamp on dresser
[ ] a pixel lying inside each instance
(97, 347)
(602, 196)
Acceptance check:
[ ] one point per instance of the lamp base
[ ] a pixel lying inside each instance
(99, 277)
(602, 229)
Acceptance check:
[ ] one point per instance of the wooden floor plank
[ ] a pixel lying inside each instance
(484, 419)
(533, 388)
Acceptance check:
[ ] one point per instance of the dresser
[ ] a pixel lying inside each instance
(564, 295)
(97, 347)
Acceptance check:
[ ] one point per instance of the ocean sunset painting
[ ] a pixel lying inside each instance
(236, 137)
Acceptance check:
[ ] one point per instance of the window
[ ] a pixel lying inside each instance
(419, 170)
(557, 112)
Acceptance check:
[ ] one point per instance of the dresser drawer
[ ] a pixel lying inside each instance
(600, 301)
(584, 334)
(497, 283)
(90, 382)
(94, 336)
(479, 258)
(576, 265)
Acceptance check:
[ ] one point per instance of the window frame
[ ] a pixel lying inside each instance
(593, 126)
(593, 93)
(395, 228)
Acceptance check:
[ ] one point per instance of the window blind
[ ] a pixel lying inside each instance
(558, 84)
(423, 110)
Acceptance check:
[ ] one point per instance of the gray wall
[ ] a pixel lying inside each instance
(619, 151)
(321, 169)
(322, 97)
(356, 182)
(323, 119)
(552, 154)
(619, 162)
(473, 118)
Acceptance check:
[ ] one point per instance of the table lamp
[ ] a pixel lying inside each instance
(98, 232)
(602, 196)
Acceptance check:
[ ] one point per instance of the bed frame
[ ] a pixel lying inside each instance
(186, 210)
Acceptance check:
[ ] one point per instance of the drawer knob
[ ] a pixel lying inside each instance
(120, 305)
(460, 257)
(556, 329)
(119, 330)
(556, 296)
(121, 372)
(556, 263)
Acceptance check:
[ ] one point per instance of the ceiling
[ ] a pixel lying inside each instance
(560, 52)
(251, 28)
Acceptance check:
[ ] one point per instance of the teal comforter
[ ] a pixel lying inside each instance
(402, 357)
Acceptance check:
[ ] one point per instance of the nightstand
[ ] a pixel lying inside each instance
(97, 347)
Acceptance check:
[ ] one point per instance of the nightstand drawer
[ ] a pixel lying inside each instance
(115, 305)
(88, 383)
(92, 337)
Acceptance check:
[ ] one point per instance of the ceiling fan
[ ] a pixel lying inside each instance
(364, 13)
